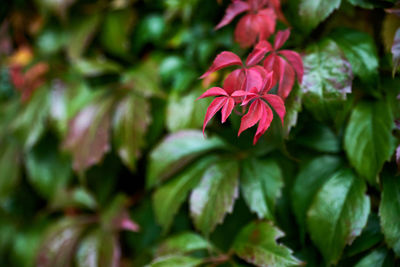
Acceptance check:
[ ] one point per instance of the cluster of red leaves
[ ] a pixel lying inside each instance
(250, 84)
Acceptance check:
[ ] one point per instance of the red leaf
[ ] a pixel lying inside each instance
(266, 20)
(227, 109)
(286, 80)
(246, 31)
(264, 123)
(276, 4)
(252, 116)
(258, 53)
(254, 78)
(232, 11)
(273, 64)
(281, 38)
(223, 60)
(235, 81)
(214, 91)
(295, 60)
(277, 104)
(213, 108)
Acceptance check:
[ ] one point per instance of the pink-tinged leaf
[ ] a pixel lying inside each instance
(253, 79)
(266, 20)
(126, 223)
(227, 109)
(295, 60)
(232, 11)
(273, 64)
(88, 135)
(246, 31)
(286, 80)
(281, 38)
(212, 109)
(246, 96)
(252, 116)
(223, 60)
(396, 51)
(235, 81)
(257, 54)
(277, 104)
(264, 123)
(214, 91)
(241, 93)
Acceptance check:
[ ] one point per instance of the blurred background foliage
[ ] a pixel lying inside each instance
(96, 99)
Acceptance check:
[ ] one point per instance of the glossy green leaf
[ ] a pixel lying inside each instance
(327, 80)
(320, 138)
(183, 243)
(74, 197)
(176, 151)
(96, 66)
(389, 212)
(48, 171)
(215, 196)
(368, 138)
(293, 105)
(168, 198)
(359, 49)
(261, 183)
(310, 179)
(338, 214)
(130, 124)
(377, 258)
(257, 244)
(313, 12)
(176, 260)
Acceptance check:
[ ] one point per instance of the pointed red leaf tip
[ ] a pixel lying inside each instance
(223, 60)
(258, 53)
(214, 91)
(252, 117)
(264, 123)
(213, 108)
(295, 60)
(286, 81)
(281, 38)
(277, 104)
(125, 223)
(234, 9)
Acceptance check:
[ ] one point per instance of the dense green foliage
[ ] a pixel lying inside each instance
(103, 161)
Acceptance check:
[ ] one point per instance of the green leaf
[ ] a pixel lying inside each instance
(48, 170)
(362, 3)
(360, 50)
(377, 258)
(183, 243)
(320, 138)
(261, 184)
(176, 261)
(256, 244)
(131, 121)
(327, 80)
(176, 151)
(338, 214)
(293, 105)
(98, 248)
(81, 34)
(92, 67)
(389, 212)
(368, 138)
(310, 179)
(29, 124)
(370, 236)
(168, 198)
(75, 197)
(115, 31)
(9, 168)
(215, 195)
(184, 112)
(313, 12)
